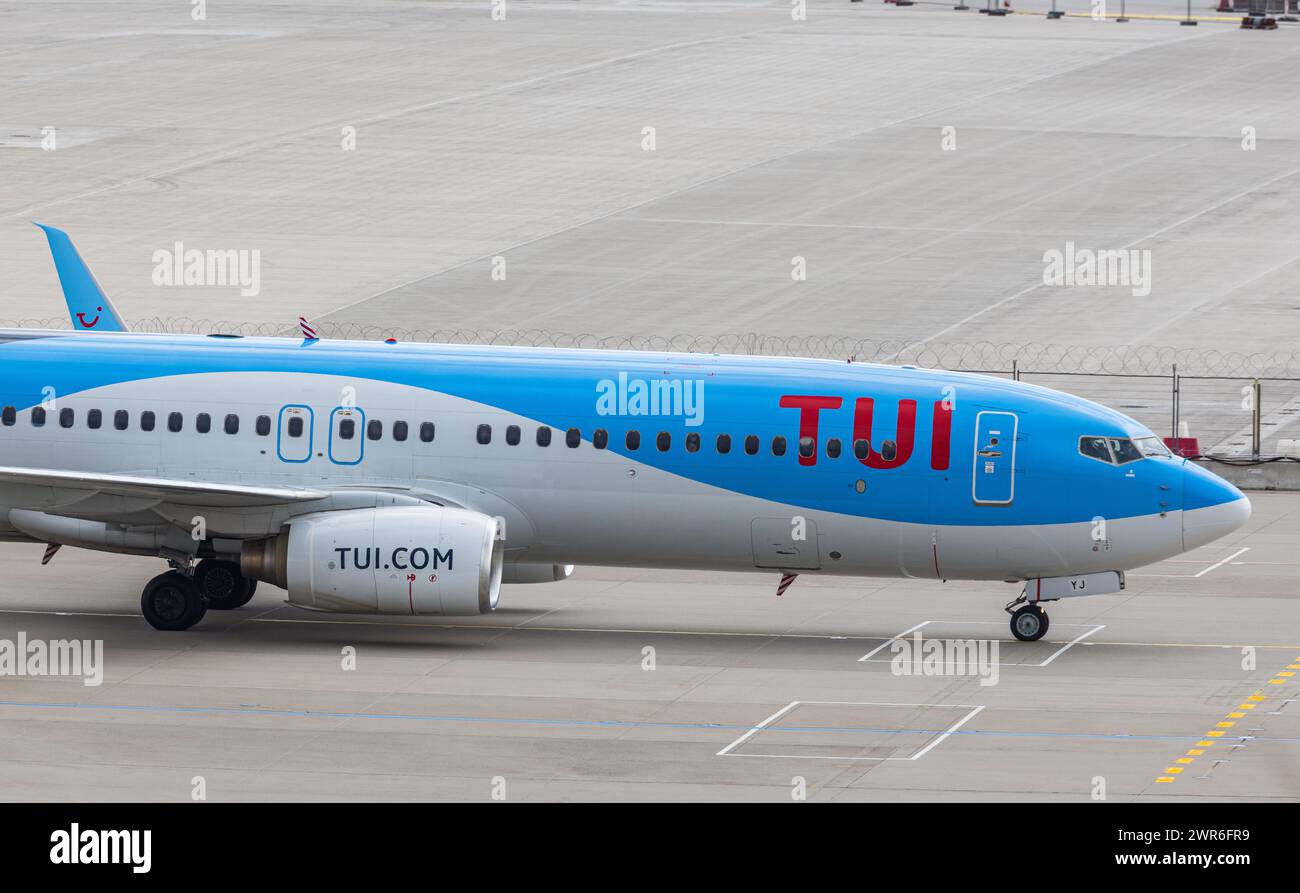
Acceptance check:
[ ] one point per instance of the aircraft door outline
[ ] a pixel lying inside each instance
(285, 438)
(993, 479)
(350, 450)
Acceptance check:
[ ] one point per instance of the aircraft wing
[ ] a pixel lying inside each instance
(145, 489)
(89, 307)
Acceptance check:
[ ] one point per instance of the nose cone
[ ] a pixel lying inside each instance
(1212, 507)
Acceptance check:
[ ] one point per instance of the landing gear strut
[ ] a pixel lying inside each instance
(223, 584)
(172, 601)
(1029, 622)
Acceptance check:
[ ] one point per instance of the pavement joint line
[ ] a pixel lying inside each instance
(595, 723)
(654, 632)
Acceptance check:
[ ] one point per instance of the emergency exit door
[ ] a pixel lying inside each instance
(294, 439)
(995, 458)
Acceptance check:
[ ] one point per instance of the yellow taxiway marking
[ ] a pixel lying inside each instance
(1279, 678)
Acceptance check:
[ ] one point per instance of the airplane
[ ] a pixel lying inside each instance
(403, 478)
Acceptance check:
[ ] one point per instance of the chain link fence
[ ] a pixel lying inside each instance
(1213, 391)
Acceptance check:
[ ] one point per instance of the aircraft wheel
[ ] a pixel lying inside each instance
(223, 585)
(171, 601)
(1029, 623)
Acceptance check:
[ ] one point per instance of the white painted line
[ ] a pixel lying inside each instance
(1242, 551)
(954, 727)
(1088, 632)
(1075, 641)
(745, 737)
(974, 709)
(885, 644)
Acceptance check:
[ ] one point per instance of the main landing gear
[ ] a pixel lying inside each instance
(180, 598)
(222, 583)
(1029, 622)
(172, 601)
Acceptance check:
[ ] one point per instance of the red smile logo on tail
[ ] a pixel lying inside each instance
(90, 324)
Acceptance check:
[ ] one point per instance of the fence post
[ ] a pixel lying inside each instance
(1174, 433)
(1015, 371)
(1257, 412)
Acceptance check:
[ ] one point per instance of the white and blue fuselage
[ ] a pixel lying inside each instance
(656, 460)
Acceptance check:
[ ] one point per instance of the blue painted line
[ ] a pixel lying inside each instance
(603, 723)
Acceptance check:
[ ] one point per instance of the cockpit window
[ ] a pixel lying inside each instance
(1121, 450)
(1124, 450)
(1151, 446)
(1095, 448)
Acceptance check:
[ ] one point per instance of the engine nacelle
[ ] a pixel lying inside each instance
(394, 560)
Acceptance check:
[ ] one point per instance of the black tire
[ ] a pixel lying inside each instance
(172, 602)
(1029, 623)
(223, 585)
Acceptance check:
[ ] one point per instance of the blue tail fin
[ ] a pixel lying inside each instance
(90, 308)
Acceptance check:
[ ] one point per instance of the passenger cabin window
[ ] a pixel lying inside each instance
(67, 418)
(263, 426)
(484, 434)
(512, 435)
(147, 420)
(203, 423)
(692, 442)
(600, 438)
(572, 437)
(175, 421)
(295, 426)
(347, 429)
(543, 436)
(751, 445)
(778, 446)
(231, 424)
(861, 448)
(833, 448)
(38, 416)
(94, 418)
(807, 446)
(9, 415)
(426, 432)
(121, 419)
(633, 440)
(399, 431)
(724, 443)
(888, 450)
(374, 429)
(663, 441)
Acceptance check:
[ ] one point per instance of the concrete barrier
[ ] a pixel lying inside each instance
(1283, 474)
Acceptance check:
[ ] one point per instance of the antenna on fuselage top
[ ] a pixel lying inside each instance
(308, 331)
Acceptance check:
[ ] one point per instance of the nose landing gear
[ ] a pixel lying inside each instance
(1029, 622)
